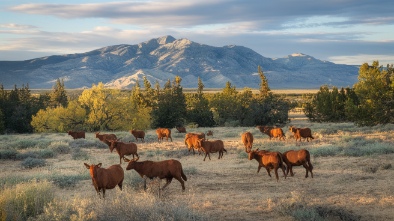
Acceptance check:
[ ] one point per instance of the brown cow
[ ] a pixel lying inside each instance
(247, 140)
(301, 133)
(138, 134)
(210, 133)
(123, 149)
(77, 134)
(298, 158)
(191, 141)
(168, 169)
(181, 129)
(272, 132)
(106, 137)
(268, 160)
(105, 178)
(163, 132)
(211, 146)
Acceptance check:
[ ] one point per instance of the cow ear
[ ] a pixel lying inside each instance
(126, 160)
(87, 165)
(99, 165)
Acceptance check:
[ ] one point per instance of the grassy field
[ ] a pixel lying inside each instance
(42, 177)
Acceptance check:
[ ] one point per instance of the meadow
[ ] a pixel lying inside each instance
(42, 177)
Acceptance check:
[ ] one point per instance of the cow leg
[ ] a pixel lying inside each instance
(283, 169)
(258, 169)
(306, 169)
(268, 171)
(120, 185)
(168, 182)
(276, 174)
(181, 181)
(103, 193)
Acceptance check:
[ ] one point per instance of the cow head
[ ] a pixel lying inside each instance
(93, 169)
(131, 162)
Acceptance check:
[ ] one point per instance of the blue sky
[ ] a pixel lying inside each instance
(340, 31)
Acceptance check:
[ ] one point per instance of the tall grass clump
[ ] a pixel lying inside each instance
(60, 147)
(120, 205)
(31, 162)
(25, 200)
(8, 154)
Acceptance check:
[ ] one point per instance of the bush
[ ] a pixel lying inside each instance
(33, 162)
(78, 154)
(60, 147)
(9, 154)
(25, 200)
(65, 181)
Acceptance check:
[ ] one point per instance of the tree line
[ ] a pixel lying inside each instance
(369, 102)
(143, 107)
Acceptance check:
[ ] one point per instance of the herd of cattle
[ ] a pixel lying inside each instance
(109, 178)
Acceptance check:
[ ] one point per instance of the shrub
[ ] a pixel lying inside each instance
(33, 162)
(78, 154)
(9, 154)
(25, 200)
(60, 147)
(65, 181)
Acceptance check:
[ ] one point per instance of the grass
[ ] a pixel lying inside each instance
(352, 168)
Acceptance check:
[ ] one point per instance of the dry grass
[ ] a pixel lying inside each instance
(343, 188)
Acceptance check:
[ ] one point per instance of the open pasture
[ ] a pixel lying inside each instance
(353, 177)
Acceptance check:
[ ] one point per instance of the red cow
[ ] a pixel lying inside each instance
(138, 134)
(77, 134)
(163, 132)
(247, 140)
(301, 133)
(272, 132)
(298, 158)
(103, 179)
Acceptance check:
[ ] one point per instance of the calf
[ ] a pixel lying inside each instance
(138, 134)
(298, 158)
(247, 140)
(123, 149)
(103, 179)
(268, 160)
(77, 134)
(209, 133)
(191, 140)
(163, 132)
(301, 133)
(272, 132)
(167, 169)
(211, 147)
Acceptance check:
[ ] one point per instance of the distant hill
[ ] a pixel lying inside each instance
(160, 59)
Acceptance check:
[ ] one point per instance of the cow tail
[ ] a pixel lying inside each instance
(282, 164)
(224, 150)
(183, 175)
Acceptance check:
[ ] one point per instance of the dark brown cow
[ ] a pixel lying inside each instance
(77, 134)
(163, 132)
(247, 140)
(138, 134)
(105, 178)
(272, 132)
(301, 133)
(167, 169)
(123, 149)
(210, 133)
(106, 137)
(181, 129)
(268, 160)
(191, 141)
(211, 146)
(298, 158)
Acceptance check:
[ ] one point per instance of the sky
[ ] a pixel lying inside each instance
(341, 31)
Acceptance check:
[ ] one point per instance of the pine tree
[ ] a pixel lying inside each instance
(264, 88)
(58, 96)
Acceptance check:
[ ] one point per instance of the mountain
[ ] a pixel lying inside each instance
(160, 59)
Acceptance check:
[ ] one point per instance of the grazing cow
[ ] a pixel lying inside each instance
(298, 158)
(105, 178)
(106, 137)
(138, 134)
(123, 149)
(77, 134)
(163, 132)
(301, 133)
(247, 140)
(211, 146)
(168, 169)
(181, 129)
(272, 132)
(268, 160)
(191, 141)
(209, 133)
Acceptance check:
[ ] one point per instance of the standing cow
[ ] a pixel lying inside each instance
(247, 140)
(163, 132)
(108, 178)
(301, 133)
(272, 132)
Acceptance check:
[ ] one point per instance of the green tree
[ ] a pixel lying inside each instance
(197, 106)
(58, 95)
(171, 105)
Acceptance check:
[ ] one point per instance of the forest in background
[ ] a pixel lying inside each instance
(369, 102)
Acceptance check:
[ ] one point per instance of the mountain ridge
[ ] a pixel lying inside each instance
(163, 58)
